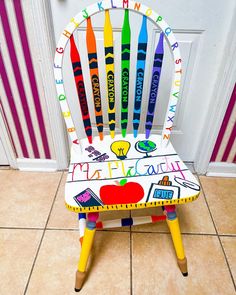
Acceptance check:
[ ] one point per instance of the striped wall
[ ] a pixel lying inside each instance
(225, 146)
(23, 104)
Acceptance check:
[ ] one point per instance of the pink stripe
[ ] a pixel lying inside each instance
(15, 67)
(230, 144)
(224, 125)
(33, 84)
(12, 105)
(234, 160)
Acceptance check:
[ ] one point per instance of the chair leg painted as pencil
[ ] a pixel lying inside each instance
(173, 224)
(86, 249)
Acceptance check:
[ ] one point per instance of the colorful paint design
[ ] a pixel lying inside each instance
(79, 81)
(134, 182)
(140, 69)
(187, 183)
(163, 190)
(156, 73)
(87, 198)
(111, 181)
(88, 171)
(109, 61)
(120, 148)
(94, 75)
(145, 146)
(108, 43)
(123, 193)
(100, 157)
(125, 63)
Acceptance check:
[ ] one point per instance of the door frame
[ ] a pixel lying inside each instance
(218, 101)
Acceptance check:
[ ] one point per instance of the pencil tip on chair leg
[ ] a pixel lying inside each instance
(182, 263)
(80, 276)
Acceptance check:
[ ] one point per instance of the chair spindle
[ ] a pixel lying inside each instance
(79, 82)
(125, 65)
(109, 61)
(140, 69)
(156, 73)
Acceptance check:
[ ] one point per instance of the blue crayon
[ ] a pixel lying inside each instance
(140, 68)
(156, 73)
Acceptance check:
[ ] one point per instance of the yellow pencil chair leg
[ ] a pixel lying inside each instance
(173, 224)
(85, 250)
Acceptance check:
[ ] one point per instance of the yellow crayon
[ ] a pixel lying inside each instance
(109, 61)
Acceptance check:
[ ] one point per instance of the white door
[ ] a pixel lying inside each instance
(3, 157)
(201, 28)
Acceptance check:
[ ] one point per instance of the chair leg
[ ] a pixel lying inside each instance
(173, 224)
(85, 250)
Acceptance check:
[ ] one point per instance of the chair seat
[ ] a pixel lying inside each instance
(126, 173)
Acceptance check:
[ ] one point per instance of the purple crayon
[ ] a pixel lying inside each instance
(156, 73)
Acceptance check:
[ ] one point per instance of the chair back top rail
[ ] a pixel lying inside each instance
(67, 35)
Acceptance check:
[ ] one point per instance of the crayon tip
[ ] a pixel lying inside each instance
(101, 135)
(135, 133)
(90, 138)
(147, 133)
(112, 133)
(123, 132)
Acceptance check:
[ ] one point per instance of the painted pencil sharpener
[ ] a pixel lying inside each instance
(163, 190)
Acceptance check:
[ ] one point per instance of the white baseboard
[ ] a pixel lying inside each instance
(221, 169)
(40, 165)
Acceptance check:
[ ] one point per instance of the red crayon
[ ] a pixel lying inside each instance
(79, 81)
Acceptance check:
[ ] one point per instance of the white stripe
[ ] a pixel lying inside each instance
(232, 152)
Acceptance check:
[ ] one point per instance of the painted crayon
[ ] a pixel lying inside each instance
(79, 81)
(109, 61)
(140, 68)
(156, 73)
(125, 65)
(94, 75)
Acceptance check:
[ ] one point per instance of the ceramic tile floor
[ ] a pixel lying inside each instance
(39, 243)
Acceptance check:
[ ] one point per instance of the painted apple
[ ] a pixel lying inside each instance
(123, 193)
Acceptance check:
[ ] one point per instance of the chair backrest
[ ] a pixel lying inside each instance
(125, 113)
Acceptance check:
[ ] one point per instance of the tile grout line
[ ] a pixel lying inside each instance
(218, 236)
(44, 230)
(120, 231)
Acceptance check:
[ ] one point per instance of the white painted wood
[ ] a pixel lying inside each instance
(37, 165)
(204, 37)
(221, 169)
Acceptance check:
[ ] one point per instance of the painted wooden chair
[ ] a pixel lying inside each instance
(122, 171)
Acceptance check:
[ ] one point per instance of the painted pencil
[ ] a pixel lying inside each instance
(79, 81)
(82, 226)
(125, 65)
(140, 69)
(94, 75)
(109, 61)
(156, 73)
